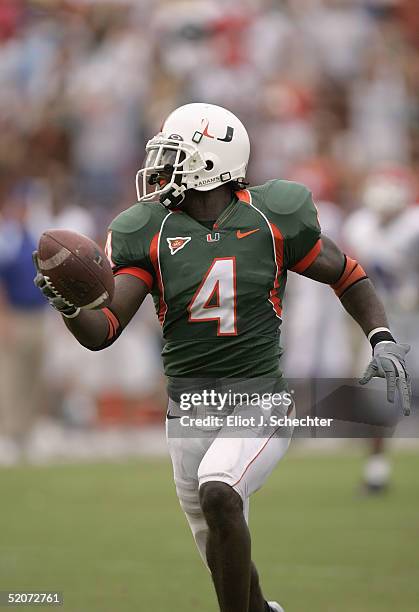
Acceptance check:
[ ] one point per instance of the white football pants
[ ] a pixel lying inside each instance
(244, 462)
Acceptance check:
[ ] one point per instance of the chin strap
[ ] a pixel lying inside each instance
(174, 197)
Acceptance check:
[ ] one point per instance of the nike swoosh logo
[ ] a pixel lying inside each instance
(171, 416)
(241, 234)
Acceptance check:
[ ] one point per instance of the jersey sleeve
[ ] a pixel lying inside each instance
(303, 247)
(298, 222)
(128, 246)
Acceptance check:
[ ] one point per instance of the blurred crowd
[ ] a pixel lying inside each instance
(329, 92)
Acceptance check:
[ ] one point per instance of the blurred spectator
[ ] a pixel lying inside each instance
(21, 327)
(321, 328)
(384, 235)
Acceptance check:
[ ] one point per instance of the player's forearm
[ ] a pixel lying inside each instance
(365, 307)
(98, 329)
(90, 328)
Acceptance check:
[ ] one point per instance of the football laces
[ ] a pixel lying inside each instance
(56, 292)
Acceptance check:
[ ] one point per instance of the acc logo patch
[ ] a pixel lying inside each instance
(177, 243)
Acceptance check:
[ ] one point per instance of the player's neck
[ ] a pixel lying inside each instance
(207, 205)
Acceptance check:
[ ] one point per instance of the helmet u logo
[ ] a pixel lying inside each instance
(229, 135)
(205, 130)
(197, 137)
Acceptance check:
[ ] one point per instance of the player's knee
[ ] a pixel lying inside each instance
(220, 503)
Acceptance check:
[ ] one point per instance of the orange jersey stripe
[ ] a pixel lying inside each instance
(279, 259)
(138, 273)
(243, 195)
(154, 245)
(308, 259)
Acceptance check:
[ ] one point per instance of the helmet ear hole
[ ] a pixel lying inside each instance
(209, 165)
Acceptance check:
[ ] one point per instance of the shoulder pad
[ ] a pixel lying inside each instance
(137, 217)
(285, 197)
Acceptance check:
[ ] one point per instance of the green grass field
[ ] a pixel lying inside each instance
(112, 538)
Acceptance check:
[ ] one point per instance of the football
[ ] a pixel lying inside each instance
(77, 268)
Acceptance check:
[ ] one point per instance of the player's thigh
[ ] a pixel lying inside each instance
(244, 462)
(186, 448)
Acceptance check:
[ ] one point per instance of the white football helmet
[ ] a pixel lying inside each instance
(200, 146)
(388, 189)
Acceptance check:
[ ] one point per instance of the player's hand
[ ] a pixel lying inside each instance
(54, 298)
(389, 362)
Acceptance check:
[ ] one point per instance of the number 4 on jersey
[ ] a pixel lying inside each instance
(215, 298)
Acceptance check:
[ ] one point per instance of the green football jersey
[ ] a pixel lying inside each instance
(218, 292)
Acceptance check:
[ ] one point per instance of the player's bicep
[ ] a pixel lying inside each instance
(130, 293)
(328, 265)
(129, 258)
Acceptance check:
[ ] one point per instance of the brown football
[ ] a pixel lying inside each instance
(77, 268)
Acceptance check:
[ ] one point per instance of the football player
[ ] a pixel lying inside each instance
(215, 256)
(384, 233)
